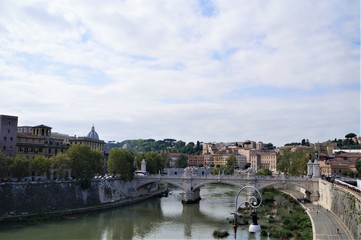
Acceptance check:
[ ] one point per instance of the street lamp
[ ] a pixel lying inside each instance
(252, 201)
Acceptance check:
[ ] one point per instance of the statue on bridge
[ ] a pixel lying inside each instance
(313, 168)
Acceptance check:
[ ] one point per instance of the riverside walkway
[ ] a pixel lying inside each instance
(324, 222)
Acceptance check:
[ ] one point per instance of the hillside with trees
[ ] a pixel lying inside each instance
(152, 145)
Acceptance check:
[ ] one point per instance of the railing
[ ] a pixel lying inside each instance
(231, 177)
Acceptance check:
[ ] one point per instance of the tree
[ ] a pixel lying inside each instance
(2, 165)
(349, 138)
(165, 159)
(358, 167)
(121, 162)
(264, 172)
(350, 135)
(182, 161)
(138, 160)
(85, 163)
(20, 167)
(268, 146)
(230, 165)
(179, 146)
(61, 163)
(295, 162)
(41, 165)
(155, 162)
(347, 173)
(190, 148)
(199, 148)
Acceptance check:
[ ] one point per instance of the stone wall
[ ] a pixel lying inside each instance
(36, 197)
(344, 204)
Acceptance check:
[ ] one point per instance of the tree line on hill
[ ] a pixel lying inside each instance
(347, 143)
(165, 145)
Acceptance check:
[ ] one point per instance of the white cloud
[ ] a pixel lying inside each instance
(185, 70)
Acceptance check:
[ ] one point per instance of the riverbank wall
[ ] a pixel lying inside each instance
(343, 203)
(28, 198)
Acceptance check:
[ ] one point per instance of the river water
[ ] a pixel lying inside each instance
(159, 218)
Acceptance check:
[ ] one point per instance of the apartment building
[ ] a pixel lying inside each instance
(195, 161)
(341, 162)
(263, 159)
(37, 140)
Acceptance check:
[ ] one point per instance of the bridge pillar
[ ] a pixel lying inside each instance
(191, 196)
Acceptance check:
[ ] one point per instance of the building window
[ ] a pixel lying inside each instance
(4, 138)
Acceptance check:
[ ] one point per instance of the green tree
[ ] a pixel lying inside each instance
(20, 167)
(190, 148)
(347, 173)
(5, 172)
(41, 165)
(294, 162)
(155, 162)
(230, 165)
(358, 167)
(283, 161)
(138, 159)
(264, 172)
(218, 170)
(179, 147)
(350, 135)
(85, 163)
(61, 163)
(121, 162)
(165, 159)
(2, 165)
(182, 161)
(199, 148)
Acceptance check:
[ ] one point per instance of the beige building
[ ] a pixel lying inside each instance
(37, 140)
(339, 164)
(208, 160)
(263, 159)
(325, 148)
(195, 161)
(91, 140)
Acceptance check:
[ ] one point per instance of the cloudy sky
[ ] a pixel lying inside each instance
(273, 71)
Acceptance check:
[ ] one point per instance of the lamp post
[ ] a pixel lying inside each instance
(252, 201)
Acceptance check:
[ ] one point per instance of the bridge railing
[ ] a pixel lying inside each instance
(232, 177)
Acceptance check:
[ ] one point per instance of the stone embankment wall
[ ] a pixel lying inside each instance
(343, 203)
(18, 198)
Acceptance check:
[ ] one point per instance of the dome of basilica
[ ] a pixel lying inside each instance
(93, 134)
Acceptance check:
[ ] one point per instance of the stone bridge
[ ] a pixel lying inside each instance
(191, 184)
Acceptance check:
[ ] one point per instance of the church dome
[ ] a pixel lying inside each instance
(93, 134)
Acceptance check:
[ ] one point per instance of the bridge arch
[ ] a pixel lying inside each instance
(152, 181)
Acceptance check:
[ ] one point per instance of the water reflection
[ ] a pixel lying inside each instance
(165, 218)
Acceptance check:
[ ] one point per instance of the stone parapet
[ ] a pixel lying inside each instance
(343, 203)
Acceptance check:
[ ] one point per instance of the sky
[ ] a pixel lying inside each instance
(274, 71)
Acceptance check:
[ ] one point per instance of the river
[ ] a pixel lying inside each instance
(159, 218)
